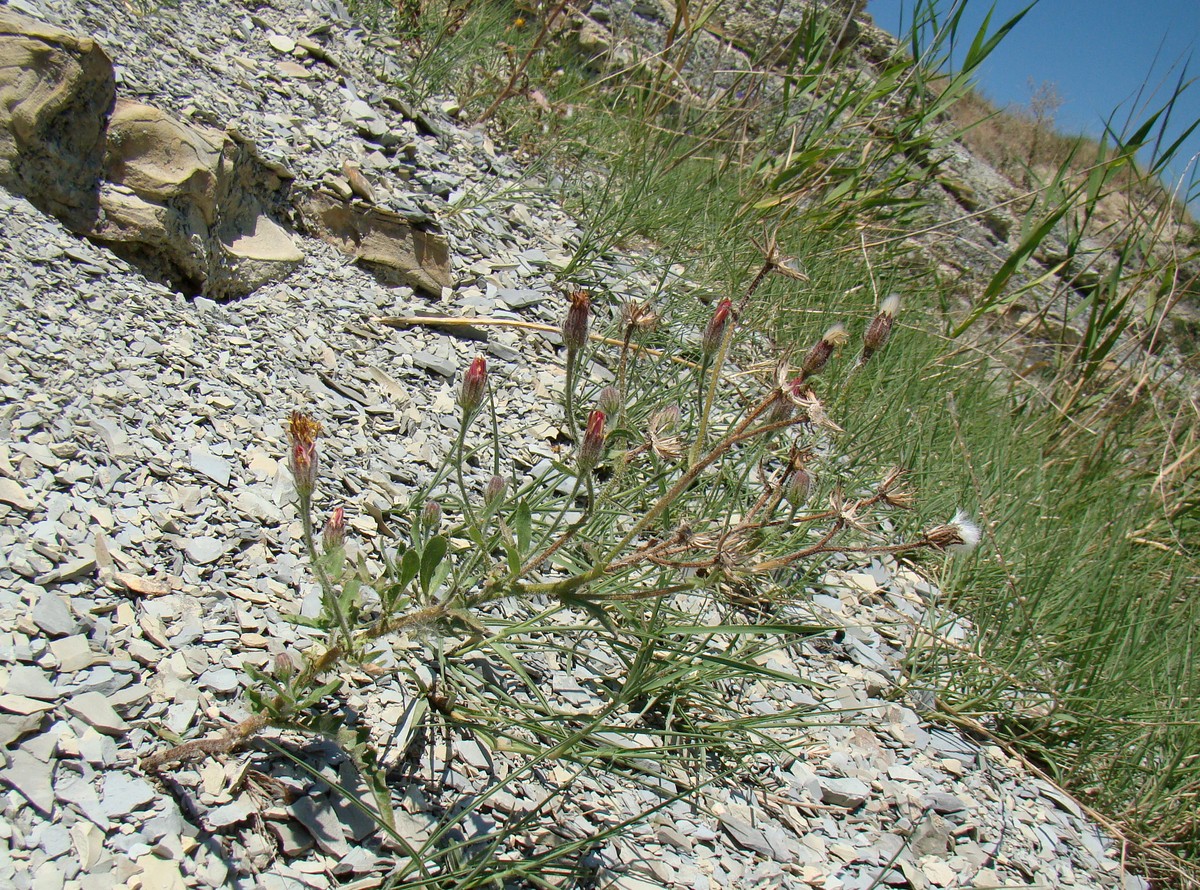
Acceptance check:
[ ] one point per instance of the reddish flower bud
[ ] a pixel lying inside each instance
(493, 492)
(718, 324)
(818, 356)
(880, 328)
(302, 454)
(334, 535)
(474, 386)
(575, 325)
(591, 449)
(609, 400)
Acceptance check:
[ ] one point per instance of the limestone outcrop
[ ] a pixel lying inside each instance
(382, 241)
(194, 206)
(189, 204)
(56, 91)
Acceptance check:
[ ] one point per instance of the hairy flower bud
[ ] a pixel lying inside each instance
(431, 516)
(493, 492)
(334, 535)
(798, 487)
(283, 667)
(591, 449)
(718, 324)
(880, 328)
(575, 325)
(609, 400)
(798, 483)
(302, 453)
(474, 386)
(818, 356)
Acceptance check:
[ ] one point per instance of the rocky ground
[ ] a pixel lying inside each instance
(149, 543)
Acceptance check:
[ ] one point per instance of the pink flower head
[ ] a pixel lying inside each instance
(591, 449)
(302, 454)
(718, 324)
(334, 535)
(575, 325)
(474, 386)
(880, 328)
(818, 357)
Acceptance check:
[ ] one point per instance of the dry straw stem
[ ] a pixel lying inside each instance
(407, 321)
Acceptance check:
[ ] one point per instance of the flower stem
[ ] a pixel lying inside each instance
(710, 396)
(459, 458)
(327, 589)
(569, 402)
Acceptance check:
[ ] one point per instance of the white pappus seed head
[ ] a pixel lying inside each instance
(968, 532)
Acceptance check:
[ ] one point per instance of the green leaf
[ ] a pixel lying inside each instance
(431, 558)
(523, 523)
(511, 552)
(410, 564)
(319, 693)
(294, 618)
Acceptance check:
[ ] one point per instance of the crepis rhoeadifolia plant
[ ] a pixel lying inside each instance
(695, 494)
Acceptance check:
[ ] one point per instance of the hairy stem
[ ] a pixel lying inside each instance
(328, 592)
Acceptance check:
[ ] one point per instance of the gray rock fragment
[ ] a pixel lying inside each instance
(31, 681)
(204, 550)
(32, 778)
(93, 708)
(53, 617)
(849, 793)
(943, 803)
(123, 794)
(216, 468)
(322, 822)
(231, 813)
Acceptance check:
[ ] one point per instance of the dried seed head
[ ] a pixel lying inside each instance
(575, 325)
(474, 386)
(661, 427)
(894, 492)
(493, 492)
(718, 324)
(818, 356)
(609, 400)
(880, 328)
(638, 318)
(302, 455)
(959, 535)
(591, 449)
(809, 406)
(334, 535)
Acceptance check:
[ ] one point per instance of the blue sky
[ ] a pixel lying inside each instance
(1097, 53)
